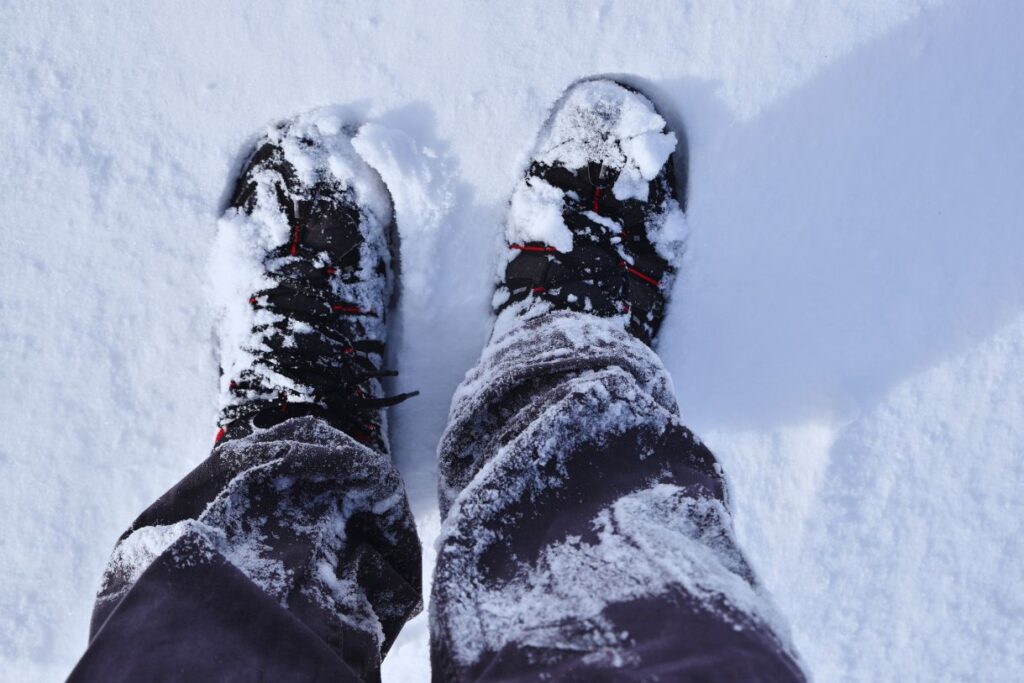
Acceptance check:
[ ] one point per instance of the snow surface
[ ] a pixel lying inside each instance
(847, 331)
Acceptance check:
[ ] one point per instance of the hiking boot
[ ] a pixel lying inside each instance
(303, 272)
(596, 225)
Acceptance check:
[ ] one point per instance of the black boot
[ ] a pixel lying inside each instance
(596, 224)
(304, 273)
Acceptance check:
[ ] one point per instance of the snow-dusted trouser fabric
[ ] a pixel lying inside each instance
(586, 534)
(290, 554)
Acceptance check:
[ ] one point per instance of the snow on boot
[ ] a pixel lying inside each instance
(302, 271)
(596, 224)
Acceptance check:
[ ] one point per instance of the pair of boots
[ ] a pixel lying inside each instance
(586, 535)
(593, 228)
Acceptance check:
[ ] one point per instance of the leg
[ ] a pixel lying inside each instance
(290, 554)
(587, 535)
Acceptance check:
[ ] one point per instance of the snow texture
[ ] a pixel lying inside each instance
(847, 330)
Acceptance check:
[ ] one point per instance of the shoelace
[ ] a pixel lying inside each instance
(315, 343)
(596, 262)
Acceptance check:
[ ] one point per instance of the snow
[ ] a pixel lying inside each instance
(598, 121)
(591, 120)
(847, 331)
(535, 215)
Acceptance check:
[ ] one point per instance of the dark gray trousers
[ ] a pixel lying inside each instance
(586, 537)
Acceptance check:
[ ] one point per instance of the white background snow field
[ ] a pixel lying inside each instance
(847, 333)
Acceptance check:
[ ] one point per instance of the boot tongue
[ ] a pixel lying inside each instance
(330, 225)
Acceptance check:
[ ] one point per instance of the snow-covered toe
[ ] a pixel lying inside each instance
(302, 275)
(596, 223)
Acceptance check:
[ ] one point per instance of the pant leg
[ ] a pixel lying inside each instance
(290, 554)
(586, 533)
